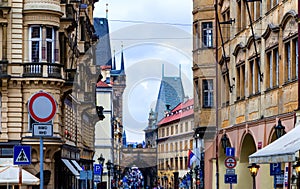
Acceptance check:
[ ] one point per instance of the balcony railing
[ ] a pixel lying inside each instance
(52, 70)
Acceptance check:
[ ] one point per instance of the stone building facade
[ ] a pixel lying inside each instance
(47, 46)
(257, 82)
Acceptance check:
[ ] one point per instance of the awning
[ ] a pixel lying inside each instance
(10, 175)
(77, 165)
(284, 149)
(71, 168)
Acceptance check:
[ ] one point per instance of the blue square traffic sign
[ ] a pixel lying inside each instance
(22, 155)
(230, 179)
(230, 152)
(275, 169)
(97, 169)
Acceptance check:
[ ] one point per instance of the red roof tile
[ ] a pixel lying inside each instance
(183, 110)
(102, 84)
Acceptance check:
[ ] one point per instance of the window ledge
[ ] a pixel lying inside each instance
(240, 99)
(271, 89)
(207, 107)
(290, 81)
(254, 95)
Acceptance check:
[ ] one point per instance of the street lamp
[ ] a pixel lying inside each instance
(297, 169)
(109, 166)
(225, 141)
(253, 168)
(101, 160)
(279, 129)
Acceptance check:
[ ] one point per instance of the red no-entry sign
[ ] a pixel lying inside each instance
(42, 107)
(230, 162)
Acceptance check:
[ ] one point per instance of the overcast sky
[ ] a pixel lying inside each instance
(152, 32)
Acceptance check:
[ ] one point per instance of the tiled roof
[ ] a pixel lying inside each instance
(102, 84)
(183, 110)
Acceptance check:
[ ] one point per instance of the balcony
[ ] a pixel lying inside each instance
(50, 70)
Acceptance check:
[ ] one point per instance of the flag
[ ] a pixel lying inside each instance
(191, 159)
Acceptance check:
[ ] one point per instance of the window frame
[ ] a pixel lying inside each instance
(208, 93)
(207, 34)
(35, 39)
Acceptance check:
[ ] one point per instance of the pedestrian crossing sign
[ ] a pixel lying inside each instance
(22, 155)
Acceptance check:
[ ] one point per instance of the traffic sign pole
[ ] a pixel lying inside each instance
(41, 164)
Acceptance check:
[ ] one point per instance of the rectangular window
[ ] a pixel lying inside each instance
(270, 69)
(207, 34)
(50, 44)
(197, 92)
(276, 62)
(197, 36)
(254, 76)
(208, 93)
(287, 60)
(37, 51)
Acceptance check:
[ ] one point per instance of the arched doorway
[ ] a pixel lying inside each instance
(222, 168)
(244, 179)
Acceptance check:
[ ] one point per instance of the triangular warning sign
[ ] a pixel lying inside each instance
(22, 158)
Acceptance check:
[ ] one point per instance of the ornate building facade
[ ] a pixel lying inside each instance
(47, 46)
(257, 50)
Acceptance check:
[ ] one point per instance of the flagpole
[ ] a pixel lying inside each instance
(217, 99)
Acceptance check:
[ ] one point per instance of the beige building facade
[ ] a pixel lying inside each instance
(175, 138)
(47, 46)
(256, 84)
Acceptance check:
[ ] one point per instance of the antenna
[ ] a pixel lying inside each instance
(162, 70)
(106, 10)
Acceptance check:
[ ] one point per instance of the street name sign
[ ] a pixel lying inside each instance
(22, 155)
(42, 130)
(230, 171)
(230, 162)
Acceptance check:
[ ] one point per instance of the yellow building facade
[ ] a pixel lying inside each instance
(257, 69)
(47, 46)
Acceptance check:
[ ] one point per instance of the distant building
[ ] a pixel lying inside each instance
(175, 138)
(170, 94)
(109, 91)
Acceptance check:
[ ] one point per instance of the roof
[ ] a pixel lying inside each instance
(103, 50)
(170, 93)
(102, 84)
(183, 110)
